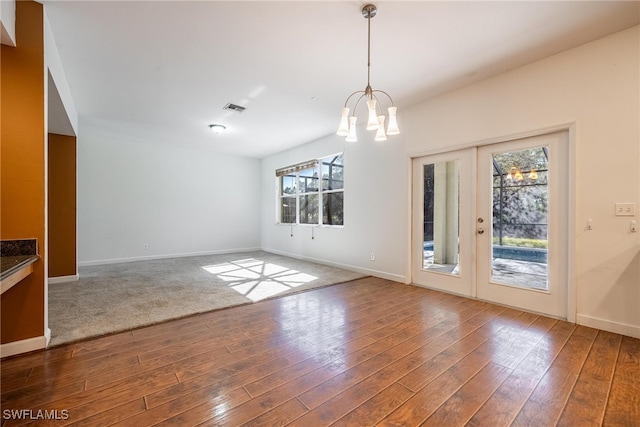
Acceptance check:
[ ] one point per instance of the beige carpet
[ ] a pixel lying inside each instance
(117, 297)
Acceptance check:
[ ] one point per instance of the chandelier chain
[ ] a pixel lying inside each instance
(368, 90)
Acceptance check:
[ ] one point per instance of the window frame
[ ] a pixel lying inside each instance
(295, 172)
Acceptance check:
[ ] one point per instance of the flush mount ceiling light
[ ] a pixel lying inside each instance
(376, 121)
(217, 129)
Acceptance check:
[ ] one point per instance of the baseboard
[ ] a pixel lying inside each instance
(63, 279)
(166, 256)
(367, 271)
(608, 325)
(25, 346)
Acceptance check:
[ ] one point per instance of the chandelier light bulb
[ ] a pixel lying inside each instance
(372, 123)
(380, 135)
(351, 136)
(343, 129)
(392, 127)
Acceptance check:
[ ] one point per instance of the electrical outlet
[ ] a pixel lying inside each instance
(373, 256)
(145, 246)
(634, 227)
(625, 209)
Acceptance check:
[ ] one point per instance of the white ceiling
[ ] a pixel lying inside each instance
(166, 68)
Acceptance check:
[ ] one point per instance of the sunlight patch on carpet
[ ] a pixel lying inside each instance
(256, 279)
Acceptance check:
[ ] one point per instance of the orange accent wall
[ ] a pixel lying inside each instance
(22, 158)
(62, 205)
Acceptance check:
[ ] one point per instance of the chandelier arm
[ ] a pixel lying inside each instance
(350, 96)
(388, 96)
(358, 101)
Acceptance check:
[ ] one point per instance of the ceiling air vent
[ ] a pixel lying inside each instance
(234, 107)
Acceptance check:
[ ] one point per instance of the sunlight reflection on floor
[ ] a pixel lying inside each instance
(257, 279)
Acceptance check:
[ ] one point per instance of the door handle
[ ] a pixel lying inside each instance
(480, 230)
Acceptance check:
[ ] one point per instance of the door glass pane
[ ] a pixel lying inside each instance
(520, 218)
(441, 217)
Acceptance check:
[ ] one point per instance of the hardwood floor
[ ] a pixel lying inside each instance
(367, 352)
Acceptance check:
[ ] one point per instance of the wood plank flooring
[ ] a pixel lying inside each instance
(362, 353)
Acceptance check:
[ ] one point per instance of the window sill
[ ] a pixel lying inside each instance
(309, 225)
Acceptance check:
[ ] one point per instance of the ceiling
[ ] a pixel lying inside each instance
(166, 69)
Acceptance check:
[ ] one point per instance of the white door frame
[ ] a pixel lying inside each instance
(572, 191)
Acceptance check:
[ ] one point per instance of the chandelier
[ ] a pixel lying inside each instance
(375, 121)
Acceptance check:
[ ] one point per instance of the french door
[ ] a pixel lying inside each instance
(443, 241)
(491, 222)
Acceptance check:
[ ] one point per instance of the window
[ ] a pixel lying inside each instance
(312, 192)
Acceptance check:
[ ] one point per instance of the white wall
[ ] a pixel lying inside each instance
(133, 191)
(64, 114)
(595, 87)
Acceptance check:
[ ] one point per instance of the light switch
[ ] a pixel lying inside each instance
(625, 209)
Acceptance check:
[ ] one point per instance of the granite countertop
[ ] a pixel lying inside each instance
(11, 264)
(17, 254)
